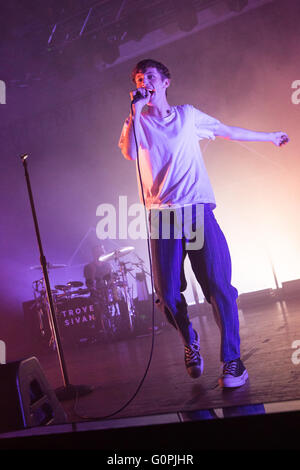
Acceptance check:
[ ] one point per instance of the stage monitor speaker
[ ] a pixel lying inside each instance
(256, 298)
(291, 289)
(26, 399)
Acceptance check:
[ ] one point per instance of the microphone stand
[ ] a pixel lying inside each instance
(68, 391)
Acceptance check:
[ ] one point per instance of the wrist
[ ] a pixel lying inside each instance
(271, 137)
(135, 115)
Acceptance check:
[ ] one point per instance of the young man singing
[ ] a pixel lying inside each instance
(173, 176)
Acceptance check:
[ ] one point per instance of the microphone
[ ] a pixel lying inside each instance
(138, 96)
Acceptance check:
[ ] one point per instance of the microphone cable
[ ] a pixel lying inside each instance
(127, 403)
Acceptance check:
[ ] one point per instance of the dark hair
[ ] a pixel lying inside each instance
(143, 65)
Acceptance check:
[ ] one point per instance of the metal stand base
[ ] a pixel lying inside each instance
(69, 392)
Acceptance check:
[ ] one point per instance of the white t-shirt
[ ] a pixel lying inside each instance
(171, 163)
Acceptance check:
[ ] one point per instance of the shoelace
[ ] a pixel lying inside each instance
(191, 353)
(230, 367)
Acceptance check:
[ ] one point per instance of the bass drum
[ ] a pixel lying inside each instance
(78, 320)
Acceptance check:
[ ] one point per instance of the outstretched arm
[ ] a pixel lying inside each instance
(238, 133)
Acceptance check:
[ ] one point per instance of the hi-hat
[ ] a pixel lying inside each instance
(116, 254)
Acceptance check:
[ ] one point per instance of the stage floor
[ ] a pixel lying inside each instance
(168, 395)
(115, 369)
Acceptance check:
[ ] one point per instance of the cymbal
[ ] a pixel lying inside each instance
(116, 254)
(75, 284)
(64, 295)
(62, 287)
(49, 266)
(81, 291)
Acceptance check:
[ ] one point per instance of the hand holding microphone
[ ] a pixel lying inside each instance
(280, 138)
(140, 97)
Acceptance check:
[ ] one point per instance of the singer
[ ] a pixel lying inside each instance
(173, 176)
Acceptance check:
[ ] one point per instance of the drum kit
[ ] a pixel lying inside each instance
(116, 296)
(90, 314)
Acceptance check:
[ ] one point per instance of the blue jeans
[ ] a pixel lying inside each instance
(211, 265)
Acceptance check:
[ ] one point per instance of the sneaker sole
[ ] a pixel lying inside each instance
(232, 382)
(196, 371)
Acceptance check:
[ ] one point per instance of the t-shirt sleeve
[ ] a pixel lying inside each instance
(205, 125)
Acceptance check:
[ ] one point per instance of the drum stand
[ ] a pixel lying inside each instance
(127, 296)
(68, 391)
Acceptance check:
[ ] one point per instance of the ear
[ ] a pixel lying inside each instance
(167, 82)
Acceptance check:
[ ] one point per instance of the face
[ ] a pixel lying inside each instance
(97, 251)
(152, 80)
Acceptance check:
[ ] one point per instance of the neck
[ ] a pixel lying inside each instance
(160, 110)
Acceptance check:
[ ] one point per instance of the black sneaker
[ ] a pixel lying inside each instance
(234, 374)
(192, 358)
